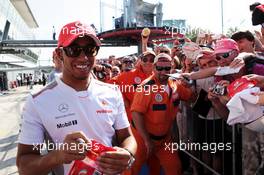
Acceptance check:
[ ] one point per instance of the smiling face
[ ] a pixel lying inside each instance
(224, 59)
(78, 68)
(147, 63)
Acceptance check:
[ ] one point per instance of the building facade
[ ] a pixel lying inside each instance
(16, 23)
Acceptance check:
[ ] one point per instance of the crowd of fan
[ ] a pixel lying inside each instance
(197, 63)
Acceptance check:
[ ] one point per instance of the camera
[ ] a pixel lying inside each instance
(100, 74)
(219, 89)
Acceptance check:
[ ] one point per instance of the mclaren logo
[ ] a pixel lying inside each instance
(63, 107)
(66, 124)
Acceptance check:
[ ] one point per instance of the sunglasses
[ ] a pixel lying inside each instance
(164, 51)
(146, 59)
(159, 68)
(223, 55)
(75, 51)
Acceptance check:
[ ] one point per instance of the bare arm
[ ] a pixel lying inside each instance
(29, 161)
(204, 73)
(144, 43)
(138, 119)
(126, 140)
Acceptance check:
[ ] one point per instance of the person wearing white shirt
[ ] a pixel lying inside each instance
(75, 107)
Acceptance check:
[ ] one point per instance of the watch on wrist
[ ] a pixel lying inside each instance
(131, 160)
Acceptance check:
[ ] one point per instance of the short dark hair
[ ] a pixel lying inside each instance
(253, 6)
(241, 35)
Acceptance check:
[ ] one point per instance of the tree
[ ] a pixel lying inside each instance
(231, 31)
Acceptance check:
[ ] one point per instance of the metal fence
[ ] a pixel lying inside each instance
(210, 145)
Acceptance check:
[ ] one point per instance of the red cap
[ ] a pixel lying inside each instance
(74, 30)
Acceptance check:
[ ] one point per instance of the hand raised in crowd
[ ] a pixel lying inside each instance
(144, 39)
(65, 153)
(258, 78)
(113, 162)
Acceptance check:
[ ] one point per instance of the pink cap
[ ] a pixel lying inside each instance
(225, 45)
(74, 30)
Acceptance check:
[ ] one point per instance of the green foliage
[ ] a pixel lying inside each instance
(231, 31)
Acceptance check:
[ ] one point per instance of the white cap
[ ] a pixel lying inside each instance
(162, 55)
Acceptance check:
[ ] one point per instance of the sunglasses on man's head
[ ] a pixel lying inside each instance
(159, 68)
(75, 51)
(148, 59)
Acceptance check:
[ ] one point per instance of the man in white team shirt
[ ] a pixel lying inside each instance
(75, 107)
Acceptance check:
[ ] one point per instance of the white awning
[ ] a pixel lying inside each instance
(23, 9)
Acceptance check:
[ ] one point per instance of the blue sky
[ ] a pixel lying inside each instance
(198, 13)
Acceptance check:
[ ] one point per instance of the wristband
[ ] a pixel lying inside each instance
(131, 160)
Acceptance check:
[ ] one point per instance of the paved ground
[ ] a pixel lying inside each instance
(11, 104)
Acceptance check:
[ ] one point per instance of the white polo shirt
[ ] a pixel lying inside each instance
(60, 110)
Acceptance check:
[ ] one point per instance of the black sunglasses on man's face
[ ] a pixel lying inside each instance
(75, 51)
(160, 68)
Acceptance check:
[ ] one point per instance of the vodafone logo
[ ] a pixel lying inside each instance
(103, 111)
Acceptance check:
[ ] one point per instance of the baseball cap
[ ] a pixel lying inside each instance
(225, 45)
(164, 48)
(191, 50)
(148, 52)
(205, 52)
(162, 55)
(74, 30)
